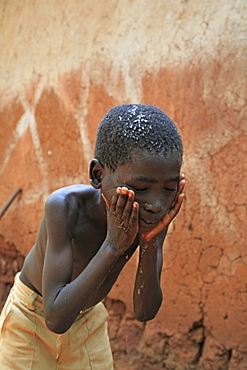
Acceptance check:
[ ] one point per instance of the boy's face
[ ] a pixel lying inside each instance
(154, 180)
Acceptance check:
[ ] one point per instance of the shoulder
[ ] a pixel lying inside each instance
(68, 200)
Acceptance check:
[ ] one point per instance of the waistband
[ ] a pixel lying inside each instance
(32, 299)
(27, 295)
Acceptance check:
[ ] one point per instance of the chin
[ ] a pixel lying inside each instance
(144, 227)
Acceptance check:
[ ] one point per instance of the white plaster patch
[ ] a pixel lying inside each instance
(26, 121)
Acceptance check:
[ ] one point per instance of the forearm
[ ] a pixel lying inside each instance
(63, 309)
(147, 291)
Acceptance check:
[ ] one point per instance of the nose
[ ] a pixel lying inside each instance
(155, 206)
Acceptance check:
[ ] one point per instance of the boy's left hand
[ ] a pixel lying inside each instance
(169, 216)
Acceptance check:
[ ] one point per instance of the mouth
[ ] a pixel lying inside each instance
(150, 224)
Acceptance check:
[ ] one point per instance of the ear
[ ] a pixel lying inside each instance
(95, 173)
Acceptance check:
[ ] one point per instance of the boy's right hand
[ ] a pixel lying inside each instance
(122, 219)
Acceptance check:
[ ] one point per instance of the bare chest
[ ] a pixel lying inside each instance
(87, 240)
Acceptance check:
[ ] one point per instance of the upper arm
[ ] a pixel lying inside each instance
(58, 262)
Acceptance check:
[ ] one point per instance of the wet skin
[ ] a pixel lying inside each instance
(84, 240)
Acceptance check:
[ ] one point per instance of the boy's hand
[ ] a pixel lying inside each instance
(169, 216)
(122, 219)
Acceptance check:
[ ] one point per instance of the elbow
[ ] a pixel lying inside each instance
(147, 316)
(55, 325)
(144, 318)
(148, 313)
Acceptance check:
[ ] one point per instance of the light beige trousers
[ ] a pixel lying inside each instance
(26, 343)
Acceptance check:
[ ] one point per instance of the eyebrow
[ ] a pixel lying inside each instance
(150, 179)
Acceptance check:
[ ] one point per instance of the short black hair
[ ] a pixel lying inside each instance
(130, 127)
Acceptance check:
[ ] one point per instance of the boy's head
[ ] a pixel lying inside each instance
(135, 127)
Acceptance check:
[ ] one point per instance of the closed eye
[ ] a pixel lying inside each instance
(136, 189)
(174, 189)
(139, 189)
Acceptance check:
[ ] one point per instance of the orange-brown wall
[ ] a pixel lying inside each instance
(63, 65)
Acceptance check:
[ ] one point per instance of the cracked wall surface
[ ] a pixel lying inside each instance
(62, 66)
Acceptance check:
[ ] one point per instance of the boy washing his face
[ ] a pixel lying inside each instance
(54, 317)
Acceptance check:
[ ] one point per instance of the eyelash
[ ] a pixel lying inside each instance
(143, 189)
(175, 189)
(139, 190)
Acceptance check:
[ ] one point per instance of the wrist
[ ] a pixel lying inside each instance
(112, 248)
(152, 244)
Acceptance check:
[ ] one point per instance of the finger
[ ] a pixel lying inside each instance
(134, 216)
(173, 211)
(113, 203)
(124, 202)
(106, 201)
(178, 203)
(127, 211)
(180, 189)
(181, 185)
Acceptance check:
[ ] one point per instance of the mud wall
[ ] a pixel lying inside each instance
(62, 66)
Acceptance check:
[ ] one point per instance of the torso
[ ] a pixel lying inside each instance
(88, 231)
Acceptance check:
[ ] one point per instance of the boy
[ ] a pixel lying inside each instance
(53, 318)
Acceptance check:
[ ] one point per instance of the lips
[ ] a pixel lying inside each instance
(148, 223)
